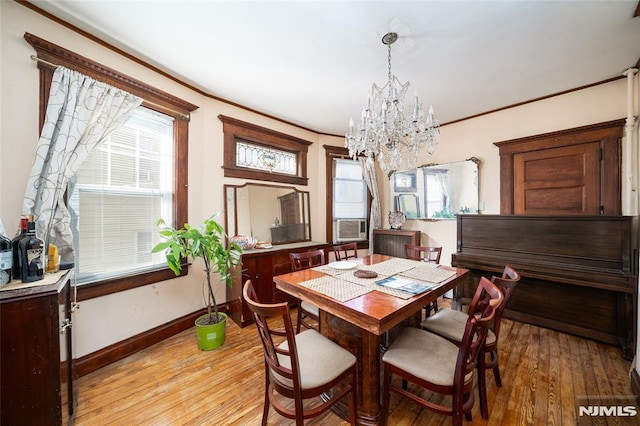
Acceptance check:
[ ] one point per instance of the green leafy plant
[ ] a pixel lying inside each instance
(444, 214)
(207, 241)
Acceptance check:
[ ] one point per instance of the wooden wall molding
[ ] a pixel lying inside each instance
(608, 134)
(58, 55)
(236, 130)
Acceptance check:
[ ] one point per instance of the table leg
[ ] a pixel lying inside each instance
(366, 347)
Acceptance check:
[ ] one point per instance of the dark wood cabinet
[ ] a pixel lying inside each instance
(36, 388)
(260, 266)
(391, 241)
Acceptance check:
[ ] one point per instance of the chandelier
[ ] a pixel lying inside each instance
(385, 132)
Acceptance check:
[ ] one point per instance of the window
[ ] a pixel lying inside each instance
(145, 178)
(119, 192)
(349, 190)
(348, 199)
(436, 194)
(258, 157)
(254, 152)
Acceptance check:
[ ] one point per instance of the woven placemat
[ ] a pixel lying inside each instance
(428, 274)
(326, 269)
(366, 282)
(336, 288)
(391, 267)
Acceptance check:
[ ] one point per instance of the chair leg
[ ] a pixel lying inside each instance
(386, 394)
(299, 318)
(265, 410)
(482, 386)
(496, 369)
(456, 408)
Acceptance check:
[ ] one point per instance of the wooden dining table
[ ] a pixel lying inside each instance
(365, 324)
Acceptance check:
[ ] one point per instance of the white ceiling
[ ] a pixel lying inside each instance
(312, 63)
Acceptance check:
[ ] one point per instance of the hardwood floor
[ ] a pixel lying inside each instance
(545, 375)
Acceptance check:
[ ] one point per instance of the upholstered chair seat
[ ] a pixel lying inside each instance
(426, 356)
(310, 308)
(320, 360)
(450, 324)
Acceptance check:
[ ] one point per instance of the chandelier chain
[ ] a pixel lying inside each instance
(389, 60)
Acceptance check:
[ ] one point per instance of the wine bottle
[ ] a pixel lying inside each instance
(30, 253)
(6, 260)
(15, 270)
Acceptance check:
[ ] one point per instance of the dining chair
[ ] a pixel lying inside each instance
(300, 366)
(436, 364)
(345, 251)
(428, 254)
(307, 310)
(450, 324)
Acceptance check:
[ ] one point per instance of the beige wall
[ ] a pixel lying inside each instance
(104, 321)
(475, 138)
(107, 320)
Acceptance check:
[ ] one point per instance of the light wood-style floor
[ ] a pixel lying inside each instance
(544, 374)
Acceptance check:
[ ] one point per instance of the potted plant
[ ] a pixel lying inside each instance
(209, 242)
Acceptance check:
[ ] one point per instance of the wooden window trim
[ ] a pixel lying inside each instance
(154, 99)
(609, 135)
(331, 153)
(236, 130)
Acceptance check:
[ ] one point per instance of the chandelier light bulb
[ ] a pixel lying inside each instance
(385, 132)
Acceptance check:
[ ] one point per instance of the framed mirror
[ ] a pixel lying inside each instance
(277, 214)
(436, 191)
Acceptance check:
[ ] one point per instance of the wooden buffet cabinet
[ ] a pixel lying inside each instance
(391, 241)
(260, 266)
(36, 385)
(579, 273)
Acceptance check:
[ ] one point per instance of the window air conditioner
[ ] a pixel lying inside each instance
(351, 230)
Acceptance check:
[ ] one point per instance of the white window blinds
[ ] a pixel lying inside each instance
(119, 193)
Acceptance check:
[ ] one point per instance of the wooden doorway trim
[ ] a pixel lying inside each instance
(607, 134)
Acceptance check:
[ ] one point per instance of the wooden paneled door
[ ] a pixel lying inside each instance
(570, 172)
(558, 181)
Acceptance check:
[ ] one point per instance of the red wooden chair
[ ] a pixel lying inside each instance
(305, 365)
(438, 365)
(306, 310)
(424, 254)
(450, 324)
(345, 251)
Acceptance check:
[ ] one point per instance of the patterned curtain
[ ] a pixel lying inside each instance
(81, 112)
(375, 219)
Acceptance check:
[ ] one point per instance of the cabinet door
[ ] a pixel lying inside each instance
(30, 342)
(259, 271)
(282, 265)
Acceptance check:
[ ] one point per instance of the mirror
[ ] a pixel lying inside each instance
(271, 213)
(436, 191)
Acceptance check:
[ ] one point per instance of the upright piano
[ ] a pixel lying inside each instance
(579, 273)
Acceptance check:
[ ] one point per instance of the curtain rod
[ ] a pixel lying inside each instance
(153, 104)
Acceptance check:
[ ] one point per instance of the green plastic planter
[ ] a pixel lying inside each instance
(211, 336)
